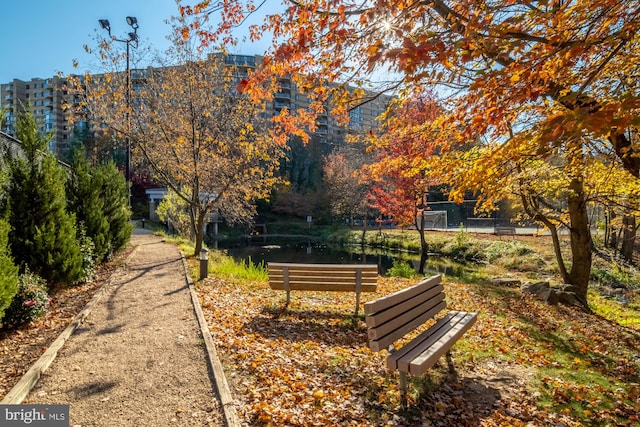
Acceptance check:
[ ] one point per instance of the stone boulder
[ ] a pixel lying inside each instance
(505, 281)
(552, 294)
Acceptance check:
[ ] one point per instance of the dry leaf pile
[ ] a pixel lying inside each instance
(309, 365)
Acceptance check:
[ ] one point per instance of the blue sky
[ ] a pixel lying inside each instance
(38, 38)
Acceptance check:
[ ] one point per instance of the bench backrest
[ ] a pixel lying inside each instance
(327, 277)
(391, 317)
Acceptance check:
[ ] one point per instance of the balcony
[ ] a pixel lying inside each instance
(8, 88)
(139, 74)
(322, 130)
(285, 84)
(240, 60)
(283, 94)
(281, 104)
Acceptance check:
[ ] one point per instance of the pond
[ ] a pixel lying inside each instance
(312, 253)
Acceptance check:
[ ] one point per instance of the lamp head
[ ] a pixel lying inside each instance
(104, 23)
(133, 22)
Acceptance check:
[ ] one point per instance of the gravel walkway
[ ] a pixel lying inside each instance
(138, 359)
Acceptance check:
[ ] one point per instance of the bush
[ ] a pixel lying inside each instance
(85, 200)
(115, 194)
(30, 301)
(402, 269)
(88, 250)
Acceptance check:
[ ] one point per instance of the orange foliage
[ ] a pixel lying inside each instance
(507, 58)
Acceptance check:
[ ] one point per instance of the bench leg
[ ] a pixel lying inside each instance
(403, 388)
(288, 298)
(450, 362)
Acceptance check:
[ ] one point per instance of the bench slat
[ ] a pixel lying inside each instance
(400, 296)
(322, 267)
(419, 343)
(423, 352)
(395, 330)
(377, 319)
(427, 359)
(317, 277)
(323, 287)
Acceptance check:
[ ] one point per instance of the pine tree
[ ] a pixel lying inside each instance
(113, 190)
(43, 233)
(8, 271)
(85, 201)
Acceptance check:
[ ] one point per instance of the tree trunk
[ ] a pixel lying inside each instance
(423, 261)
(577, 278)
(610, 240)
(199, 232)
(555, 238)
(628, 237)
(424, 247)
(580, 240)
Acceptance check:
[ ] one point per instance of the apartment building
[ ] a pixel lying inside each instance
(46, 98)
(362, 118)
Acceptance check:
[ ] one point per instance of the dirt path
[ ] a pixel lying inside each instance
(138, 359)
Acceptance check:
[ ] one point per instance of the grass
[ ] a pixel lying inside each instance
(624, 314)
(223, 266)
(220, 264)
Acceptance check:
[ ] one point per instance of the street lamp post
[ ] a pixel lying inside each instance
(133, 37)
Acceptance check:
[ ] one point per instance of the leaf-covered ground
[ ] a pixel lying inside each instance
(523, 363)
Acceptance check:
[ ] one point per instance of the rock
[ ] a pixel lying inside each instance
(566, 296)
(553, 295)
(505, 281)
(541, 289)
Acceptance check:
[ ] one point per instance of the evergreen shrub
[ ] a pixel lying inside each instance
(8, 271)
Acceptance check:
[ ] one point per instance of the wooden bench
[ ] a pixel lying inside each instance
(505, 231)
(323, 277)
(392, 317)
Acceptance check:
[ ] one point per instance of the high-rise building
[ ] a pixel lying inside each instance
(362, 118)
(46, 98)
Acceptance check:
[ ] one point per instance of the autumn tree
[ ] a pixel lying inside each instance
(200, 137)
(401, 173)
(345, 188)
(534, 80)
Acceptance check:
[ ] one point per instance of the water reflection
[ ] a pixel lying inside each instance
(311, 252)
